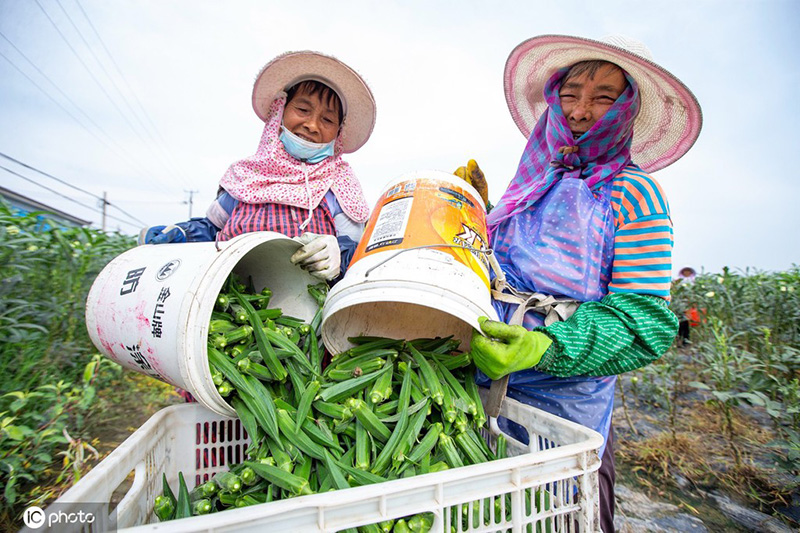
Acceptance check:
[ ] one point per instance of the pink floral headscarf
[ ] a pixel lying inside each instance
(274, 176)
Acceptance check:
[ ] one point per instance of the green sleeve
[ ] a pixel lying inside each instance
(620, 333)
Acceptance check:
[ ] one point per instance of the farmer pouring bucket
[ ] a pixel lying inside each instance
(294, 201)
(149, 308)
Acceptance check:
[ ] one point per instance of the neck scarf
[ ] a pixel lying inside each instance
(274, 176)
(553, 154)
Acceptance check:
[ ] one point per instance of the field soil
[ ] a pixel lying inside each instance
(685, 460)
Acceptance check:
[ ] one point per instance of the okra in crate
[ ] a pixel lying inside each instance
(382, 410)
(389, 436)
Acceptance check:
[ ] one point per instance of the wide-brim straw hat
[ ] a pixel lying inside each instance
(291, 68)
(669, 118)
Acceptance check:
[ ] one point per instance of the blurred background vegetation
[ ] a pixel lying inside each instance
(63, 406)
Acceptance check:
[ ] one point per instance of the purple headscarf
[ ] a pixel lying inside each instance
(602, 152)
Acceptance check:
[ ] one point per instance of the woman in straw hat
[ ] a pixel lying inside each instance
(315, 109)
(583, 232)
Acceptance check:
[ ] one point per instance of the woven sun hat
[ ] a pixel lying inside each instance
(291, 68)
(669, 119)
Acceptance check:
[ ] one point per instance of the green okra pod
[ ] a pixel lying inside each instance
(421, 522)
(345, 373)
(336, 411)
(270, 359)
(472, 390)
(281, 341)
(452, 362)
(461, 399)
(222, 302)
(471, 450)
(372, 344)
(415, 425)
(426, 444)
(228, 481)
(306, 399)
(423, 404)
(502, 446)
(448, 449)
(239, 314)
(431, 345)
(363, 446)
(257, 370)
(335, 472)
(291, 482)
(183, 507)
(374, 426)
(298, 438)
(429, 378)
(382, 386)
(164, 508)
(282, 458)
(385, 456)
(344, 389)
(320, 433)
(221, 325)
(201, 507)
(225, 388)
(248, 476)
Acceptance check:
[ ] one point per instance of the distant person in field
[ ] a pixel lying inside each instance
(315, 109)
(689, 316)
(583, 233)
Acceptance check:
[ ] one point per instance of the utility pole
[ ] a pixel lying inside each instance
(105, 203)
(191, 194)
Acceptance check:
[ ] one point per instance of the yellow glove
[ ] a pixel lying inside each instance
(473, 175)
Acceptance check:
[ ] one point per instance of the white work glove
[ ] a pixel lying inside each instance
(320, 255)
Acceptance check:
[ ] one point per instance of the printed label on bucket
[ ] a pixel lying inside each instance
(432, 214)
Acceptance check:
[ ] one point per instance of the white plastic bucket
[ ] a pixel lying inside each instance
(150, 307)
(421, 268)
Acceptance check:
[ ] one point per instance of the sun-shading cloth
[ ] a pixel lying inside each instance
(670, 119)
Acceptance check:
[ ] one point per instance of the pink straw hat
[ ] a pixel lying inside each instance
(291, 68)
(669, 119)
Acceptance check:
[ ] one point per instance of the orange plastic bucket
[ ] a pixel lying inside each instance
(421, 268)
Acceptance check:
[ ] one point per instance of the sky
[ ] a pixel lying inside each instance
(149, 101)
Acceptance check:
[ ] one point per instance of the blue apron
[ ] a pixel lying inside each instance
(562, 246)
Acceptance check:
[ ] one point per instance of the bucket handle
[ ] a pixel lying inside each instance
(488, 252)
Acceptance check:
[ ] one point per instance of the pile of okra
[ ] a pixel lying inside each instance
(382, 410)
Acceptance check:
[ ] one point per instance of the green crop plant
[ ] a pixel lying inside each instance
(50, 368)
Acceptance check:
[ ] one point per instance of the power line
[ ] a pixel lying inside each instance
(141, 170)
(114, 83)
(85, 66)
(91, 74)
(43, 173)
(64, 196)
(127, 84)
(48, 175)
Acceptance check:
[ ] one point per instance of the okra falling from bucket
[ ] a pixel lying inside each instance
(421, 268)
(149, 308)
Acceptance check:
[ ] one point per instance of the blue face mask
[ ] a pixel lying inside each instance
(304, 150)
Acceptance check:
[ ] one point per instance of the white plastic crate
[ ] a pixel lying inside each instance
(560, 461)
